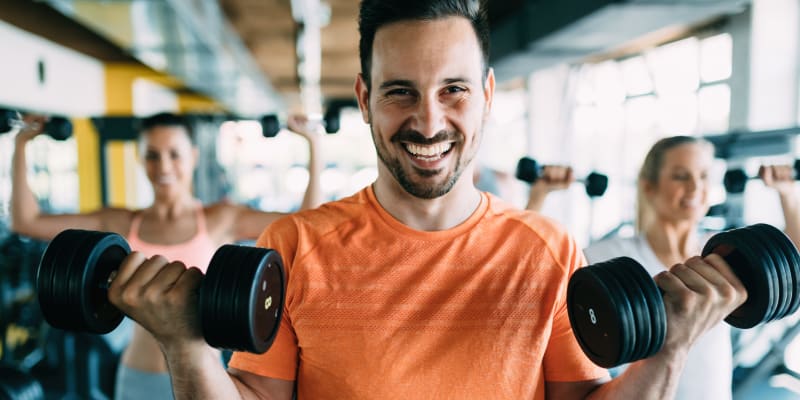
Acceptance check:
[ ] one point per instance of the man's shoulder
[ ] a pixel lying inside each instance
(329, 215)
(534, 221)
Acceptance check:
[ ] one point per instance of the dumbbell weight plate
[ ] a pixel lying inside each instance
(270, 126)
(773, 258)
(792, 258)
(760, 282)
(655, 303)
(6, 116)
(597, 314)
(527, 170)
(644, 297)
(241, 298)
(59, 128)
(629, 322)
(596, 184)
(72, 280)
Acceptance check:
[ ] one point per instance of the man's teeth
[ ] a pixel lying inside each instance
(428, 151)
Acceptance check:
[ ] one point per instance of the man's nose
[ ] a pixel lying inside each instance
(429, 117)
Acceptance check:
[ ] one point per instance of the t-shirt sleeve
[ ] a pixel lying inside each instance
(281, 360)
(564, 360)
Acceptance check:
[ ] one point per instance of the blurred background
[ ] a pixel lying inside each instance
(591, 84)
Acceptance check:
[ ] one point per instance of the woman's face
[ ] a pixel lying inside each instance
(169, 160)
(681, 193)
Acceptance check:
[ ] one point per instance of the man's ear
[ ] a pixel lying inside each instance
(362, 94)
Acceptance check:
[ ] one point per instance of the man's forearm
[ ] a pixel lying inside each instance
(197, 373)
(653, 378)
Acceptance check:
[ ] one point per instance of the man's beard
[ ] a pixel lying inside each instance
(422, 190)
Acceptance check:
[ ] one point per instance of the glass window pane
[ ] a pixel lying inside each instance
(716, 58)
(608, 83)
(678, 114)
(714, 104)
(675, 67)
(636, 76)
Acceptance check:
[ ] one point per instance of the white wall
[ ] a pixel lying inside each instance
(74, 84)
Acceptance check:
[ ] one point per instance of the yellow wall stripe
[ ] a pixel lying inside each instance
(88, 143)
(116, 176)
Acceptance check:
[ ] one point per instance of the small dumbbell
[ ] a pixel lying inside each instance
(617, 312)
(58, 128)
(241, 296)
(529, 170)
(271, 125)
(736, 179)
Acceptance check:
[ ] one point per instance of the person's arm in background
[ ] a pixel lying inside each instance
(247, 223)
(782, 179)
(26, 216)
(554, 177)
(300, 125)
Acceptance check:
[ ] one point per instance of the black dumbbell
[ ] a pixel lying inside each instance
(271, 125)
(529, 170)
(617, 312)
(241, 296)
(736, 179)
(18, 385)
(58, 128)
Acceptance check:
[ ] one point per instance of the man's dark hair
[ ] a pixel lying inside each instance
(166, 119)
(375, 14)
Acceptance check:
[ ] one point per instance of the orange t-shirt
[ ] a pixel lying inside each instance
(377, 310)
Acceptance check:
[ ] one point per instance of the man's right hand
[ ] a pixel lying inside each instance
(698, 294)
(161, 296)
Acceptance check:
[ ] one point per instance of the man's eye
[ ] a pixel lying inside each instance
(398, 92)
(455, 89)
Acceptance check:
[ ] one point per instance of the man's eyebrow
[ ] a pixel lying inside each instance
(408, 83)
(396, 82)
(456, 80)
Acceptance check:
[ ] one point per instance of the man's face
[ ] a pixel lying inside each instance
(428, 102)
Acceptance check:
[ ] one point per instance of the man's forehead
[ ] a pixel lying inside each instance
(446, 45)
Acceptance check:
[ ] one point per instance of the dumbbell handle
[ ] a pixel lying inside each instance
(530, 171)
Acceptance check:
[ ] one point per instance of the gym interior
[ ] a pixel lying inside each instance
(590, 85)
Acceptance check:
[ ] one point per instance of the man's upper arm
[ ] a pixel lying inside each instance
(252, 386)
(571, 390)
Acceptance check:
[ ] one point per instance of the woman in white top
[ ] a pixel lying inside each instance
(672, 199)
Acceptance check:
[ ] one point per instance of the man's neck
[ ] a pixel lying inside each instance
(437, 214)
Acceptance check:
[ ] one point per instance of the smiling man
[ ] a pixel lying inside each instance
(421, 286)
